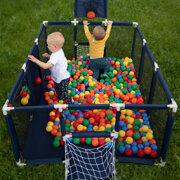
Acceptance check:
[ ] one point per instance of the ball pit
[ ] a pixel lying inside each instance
(135, 136)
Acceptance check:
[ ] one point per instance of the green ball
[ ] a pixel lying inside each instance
(111, 69)
(70, 87)
(89, 88)
(121, 143)
(67, 128)
(111, 75)
(107, 79)
(73, 93)
(123, 68)
(80, 100)
(85, 79)
(79, 80)
(74, 85)
(137, 122)
(85, 57)
(56, 143)
(76, 140)
(123, 74)
(134, 86)
(50, 96)
(121, 62)
(128, 69)
(114, 58)
(86, 122)
(74, 81)
(73, 73)
(118, 68)
(130, 89)
(85, 73)
(135, 128)
(136, 135)
(57, 138)
(24, 88)
(121, 80)
(101, 76)
(102, 80)
(108, 129)
(28, 91)
(109, 116)
(93, 87)
(130, 77)
(67, 125)
(124, 91)
(59, 130)
(71, 111)
(88, 140)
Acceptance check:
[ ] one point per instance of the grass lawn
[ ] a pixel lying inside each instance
(19, 25)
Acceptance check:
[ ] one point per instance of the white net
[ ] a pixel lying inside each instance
(89, 163)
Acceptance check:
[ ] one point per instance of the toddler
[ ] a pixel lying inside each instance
(97, 42)
(57, 65)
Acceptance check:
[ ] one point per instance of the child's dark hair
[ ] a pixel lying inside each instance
(99, 33)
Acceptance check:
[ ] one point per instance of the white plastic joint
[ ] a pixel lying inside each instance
(24, 67)
(60, 107)
(66, 137)
(105, 22)
(135, 24)
(173, 105)
(118, 106)
(36, 41)
(75, 22)
(144, 42)
(5, 108)
(162, 163)
(45, 22)
(156, 67)
(115, 135)
(76, 44)
(20, 164)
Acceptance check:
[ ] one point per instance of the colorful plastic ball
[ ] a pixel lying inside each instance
(23, 93)
(70, 140)
(129, 140)
(108, 144)
(140, 153)
(76, 140)
(140, 146)
(145, 143)
(48, 128)
(134, 149)
(80, 127)
(136, 135)
(38, 80)
(147, 150)
(48, 78)
(149, 136)
(153, 154)
(24, 101)
(128, 152)
(121, 149)
(154, 147)
(56, 143)
(91, 15)
(88, 140)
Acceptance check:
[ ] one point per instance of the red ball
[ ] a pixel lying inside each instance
(147, 150)
(38, 80)
(61, 142)
(48, 78)
(153, 154)
(91, 15)
(140, 152)
(75, 124)
(128, 152)
(23, 94)
(102, 142)
(86, 115)
(82, 140)
(52, 118)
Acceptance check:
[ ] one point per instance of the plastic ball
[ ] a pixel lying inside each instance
(24, 101)
(48, 128)
(76, 140)
(129, 140)
(140, 153)
(128, 152)
(56, 143)
(38, 80)
(88, 140)
(147, 150)
(153, 154)
(108, 144)
(121, 149)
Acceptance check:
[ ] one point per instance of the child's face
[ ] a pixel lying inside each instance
(51, 47)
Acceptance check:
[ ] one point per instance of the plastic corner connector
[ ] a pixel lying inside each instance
(60, 107)
(20, 164)
(156, 66)
(75, 22)
(105, 22)
(66, 137)
(36, 41)
(135, 24)
(45, 22)
(173, 105)
(5, 108)
(118, 106)
(24, 67)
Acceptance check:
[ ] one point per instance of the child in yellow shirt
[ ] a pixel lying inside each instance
(97, 42)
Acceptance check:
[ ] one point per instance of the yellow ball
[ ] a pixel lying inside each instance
(123, 116)
(81, 95)
(131, 73)
(125, 63)
(95, 110)
(122, 133)
(96, 95)
(24, 101)
(76, 96)
(87, 93)
(134, 80)
(107, 139)
(95, 128)
(133, 92)
(72, 127)
(79, 63)
(149, 136)
(48, 128)
(129, 112)
(129, 140)
(117, 63)
(50, 123)
(61, 101)
(102, 128)
(82, 78)
(106, 102)
(145, 128)
(129, 126)
(57, 119)
(114, 72)
(144, 138)
(52, 113)
(113, 123)
(80, 127)
(91, 84)
(130, 120)
(85, 128)
(108, 126)
(105, 95)
(150, 131)
(28, 96)
(123, 111)
(51, 92)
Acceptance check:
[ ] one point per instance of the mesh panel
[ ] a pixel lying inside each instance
(82, 49)
(145, 83)
(137, 53)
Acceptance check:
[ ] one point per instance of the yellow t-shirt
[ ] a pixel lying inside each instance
(96, 47)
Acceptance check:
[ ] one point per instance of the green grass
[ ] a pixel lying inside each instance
(19, 25)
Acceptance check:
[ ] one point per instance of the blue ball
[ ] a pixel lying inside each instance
(102, 90)
(75, 102)
(143, 134)
(154, 147)
(145, 143)
(97, 92)
(73, 89)
(134, 149)
(66, 112)
(80, 115)
(124, 128)
(140, 146)
(109, 58)
(72, 118)
(121, 149)
(86, 83)
(87, 66)
(83, 90)
(71, 130)
(106, 83)
(108, 144)
(70, 140)
(93, 97)
(56, 123)
(52, 89)
(122, 123)
(134, 143)
(127, 146)
(119, 76)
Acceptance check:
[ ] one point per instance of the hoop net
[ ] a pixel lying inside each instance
(90, 164)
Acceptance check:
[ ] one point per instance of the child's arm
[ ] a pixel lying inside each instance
(108, 30)
(46, 55)
(40, 63)
(86, 30)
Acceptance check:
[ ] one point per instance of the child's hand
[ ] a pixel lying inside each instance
(110, 22)
(86, 23)
(46, 55)
(32, 58)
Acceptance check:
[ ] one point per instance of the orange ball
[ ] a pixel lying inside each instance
(91, 120)
(95, 141)
(54, 132)
(91, 15)
(147, 150)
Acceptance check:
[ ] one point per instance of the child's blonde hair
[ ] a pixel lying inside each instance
(99, 33)
(56, 39)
